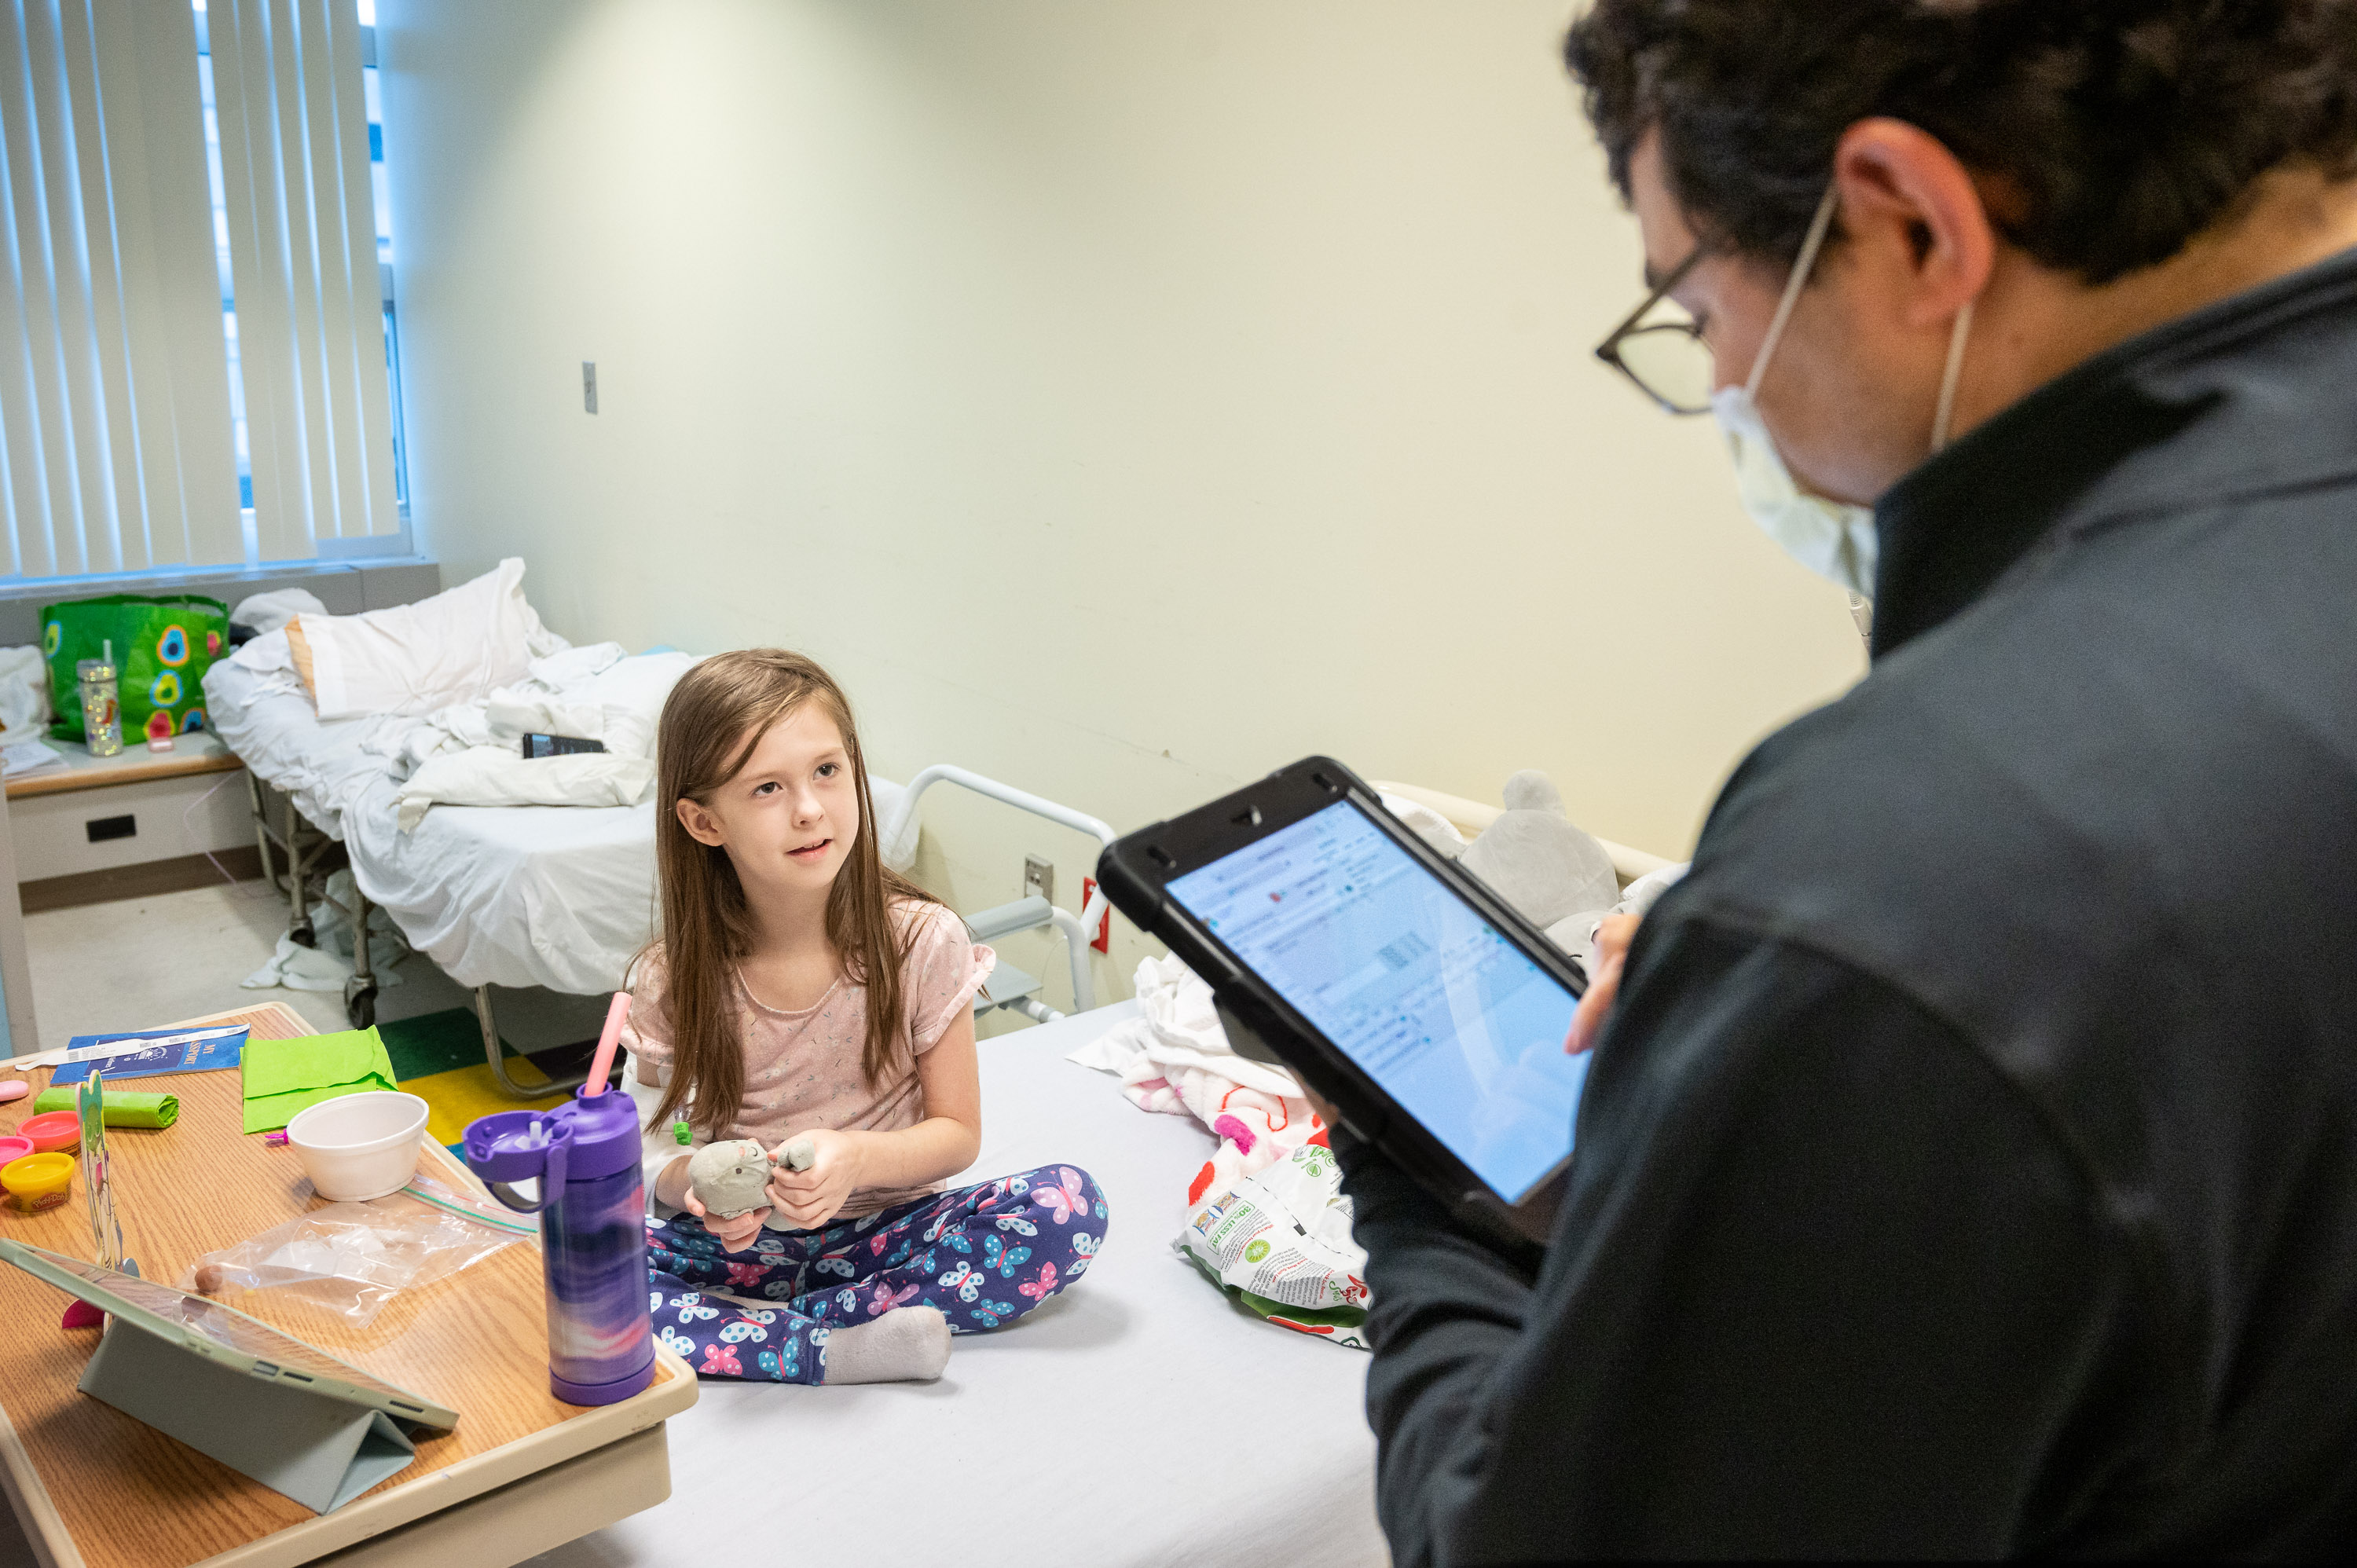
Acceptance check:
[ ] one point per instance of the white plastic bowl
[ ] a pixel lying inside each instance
(359, 1146)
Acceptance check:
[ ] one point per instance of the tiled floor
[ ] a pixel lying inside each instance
(142, 962)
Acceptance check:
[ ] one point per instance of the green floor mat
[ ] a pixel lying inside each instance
(433, 1042)
(438, 1041)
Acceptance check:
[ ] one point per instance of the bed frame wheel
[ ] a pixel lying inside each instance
(301, 934)
(360, 1001)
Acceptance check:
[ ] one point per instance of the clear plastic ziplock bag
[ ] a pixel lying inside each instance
(350, 1259)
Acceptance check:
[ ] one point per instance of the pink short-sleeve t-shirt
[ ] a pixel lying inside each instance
(803, 1066)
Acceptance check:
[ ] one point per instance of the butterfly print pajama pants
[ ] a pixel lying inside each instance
(984, 1255)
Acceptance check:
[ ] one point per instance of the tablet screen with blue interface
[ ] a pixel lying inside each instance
(1427, 996)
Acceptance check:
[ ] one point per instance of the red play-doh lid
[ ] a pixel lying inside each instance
(52, 1130)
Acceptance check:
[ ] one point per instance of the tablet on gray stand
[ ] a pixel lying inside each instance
(261, 1402)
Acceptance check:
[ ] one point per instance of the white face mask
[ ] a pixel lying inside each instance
(1834, 539)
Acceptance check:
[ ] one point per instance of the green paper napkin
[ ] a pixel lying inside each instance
(283, 1076)
(123, 1108)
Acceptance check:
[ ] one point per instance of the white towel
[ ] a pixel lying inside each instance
(503, 775)
(1174, 1058)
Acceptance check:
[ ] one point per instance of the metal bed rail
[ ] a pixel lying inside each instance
(1023, 914)
(495, 1053)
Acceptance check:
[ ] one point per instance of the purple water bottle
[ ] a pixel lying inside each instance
(592, 1209)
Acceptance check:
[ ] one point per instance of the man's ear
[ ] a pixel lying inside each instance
(701, 825)
(1910, 207)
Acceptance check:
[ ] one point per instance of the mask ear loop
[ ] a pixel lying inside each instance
(1801, 265)
(1949, 377)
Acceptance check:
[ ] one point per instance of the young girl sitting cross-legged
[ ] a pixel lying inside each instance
(802, 990)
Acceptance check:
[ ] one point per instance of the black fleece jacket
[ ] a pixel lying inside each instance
(1970, 1166)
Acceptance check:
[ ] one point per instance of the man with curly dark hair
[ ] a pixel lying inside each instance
(1969, 1163)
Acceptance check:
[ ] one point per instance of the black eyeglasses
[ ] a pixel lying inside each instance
(1666, 360)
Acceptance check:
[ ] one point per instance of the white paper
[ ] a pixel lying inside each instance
(28, 757)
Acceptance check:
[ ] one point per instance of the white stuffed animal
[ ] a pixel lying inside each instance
(1535, 859)
(1559, 877)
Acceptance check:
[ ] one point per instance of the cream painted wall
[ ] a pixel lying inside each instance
(1123, 399)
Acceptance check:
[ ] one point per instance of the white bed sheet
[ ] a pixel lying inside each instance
(1137, 1421)
(274, 731)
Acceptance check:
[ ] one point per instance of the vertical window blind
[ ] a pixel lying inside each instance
(118, 448)
(114, 384)
(302, 243)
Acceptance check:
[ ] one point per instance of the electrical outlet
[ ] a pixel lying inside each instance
(1039, 877)
(589, 386)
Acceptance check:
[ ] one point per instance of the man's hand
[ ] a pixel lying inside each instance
(735, 1233)
(810, 1198)
(1612, 939)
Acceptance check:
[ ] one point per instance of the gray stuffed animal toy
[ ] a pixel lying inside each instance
(1536, 860)
(732, 1177)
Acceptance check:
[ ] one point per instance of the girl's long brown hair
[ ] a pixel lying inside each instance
(711, 722)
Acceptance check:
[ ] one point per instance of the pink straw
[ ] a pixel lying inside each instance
(601, 1066)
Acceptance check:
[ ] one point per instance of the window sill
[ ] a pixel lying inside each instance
(345, 587)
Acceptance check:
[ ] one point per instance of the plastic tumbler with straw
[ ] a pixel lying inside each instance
(102, 705)
(583, 1157)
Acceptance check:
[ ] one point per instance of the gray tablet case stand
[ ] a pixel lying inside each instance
(321, 1452)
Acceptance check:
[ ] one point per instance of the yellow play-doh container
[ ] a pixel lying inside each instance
(37, 1181)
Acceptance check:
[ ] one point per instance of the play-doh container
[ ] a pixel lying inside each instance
(13, 1148)
(37, 1181)
(52, 1132)
(359, 1146)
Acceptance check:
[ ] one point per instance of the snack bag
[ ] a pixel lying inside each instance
(1280, 1245)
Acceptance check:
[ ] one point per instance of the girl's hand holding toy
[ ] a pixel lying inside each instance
(809, 1191)
(736, 1231)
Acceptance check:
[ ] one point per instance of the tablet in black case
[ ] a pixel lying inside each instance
(1339, 944)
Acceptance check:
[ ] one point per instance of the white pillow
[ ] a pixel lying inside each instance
(414, 659)
(268, 612)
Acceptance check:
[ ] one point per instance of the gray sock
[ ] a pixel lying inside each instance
(907, 1343)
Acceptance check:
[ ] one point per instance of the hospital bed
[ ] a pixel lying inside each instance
(1137, 1419)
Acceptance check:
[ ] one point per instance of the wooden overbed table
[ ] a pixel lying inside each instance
(523, 1472)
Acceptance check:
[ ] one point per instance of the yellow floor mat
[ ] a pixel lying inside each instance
(456, 1096)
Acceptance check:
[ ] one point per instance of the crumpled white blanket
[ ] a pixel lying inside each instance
(23, 692)
(1174, 1058)
(469, 753)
